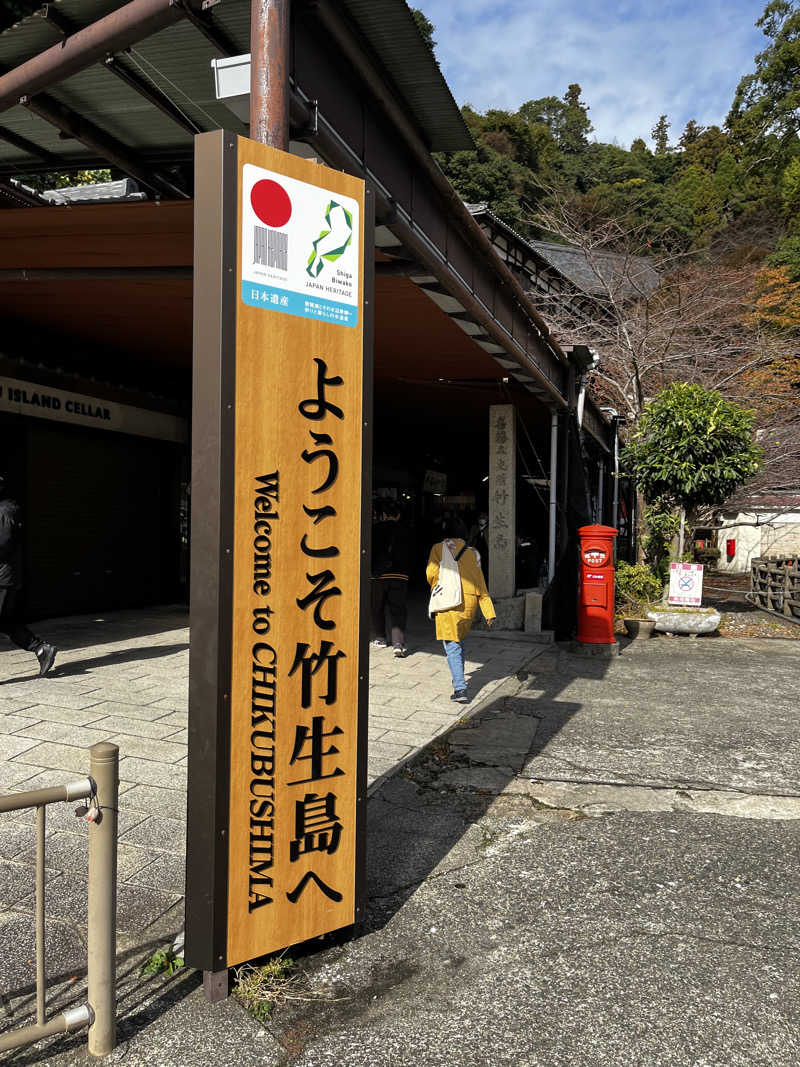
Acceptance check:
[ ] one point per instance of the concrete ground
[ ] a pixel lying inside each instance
(600, 867)
(123, 677)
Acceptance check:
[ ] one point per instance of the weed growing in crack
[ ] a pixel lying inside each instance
(261, 988)
(162, 961)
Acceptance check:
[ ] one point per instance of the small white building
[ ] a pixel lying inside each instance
(766, 525)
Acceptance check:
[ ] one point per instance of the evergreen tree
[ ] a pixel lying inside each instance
(577, 127)
(660, 135)
(425, 27)
(765, 115)
(692, 447)
(690, 134)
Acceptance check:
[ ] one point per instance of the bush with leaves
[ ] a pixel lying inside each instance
(636, 588)
(692, 447)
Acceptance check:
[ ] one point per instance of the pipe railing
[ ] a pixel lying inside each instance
(101, 789)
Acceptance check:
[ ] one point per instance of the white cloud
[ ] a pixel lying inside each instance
(634, 61)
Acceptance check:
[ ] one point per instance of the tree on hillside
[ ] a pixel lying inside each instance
(660, 135)
(655, 316)
(765, 114)
(425, 27)
(692, 448)
(567, 119)
(577, 127)
(690, 134)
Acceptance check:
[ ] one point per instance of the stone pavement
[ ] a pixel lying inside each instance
(598, 867)
(123, 677)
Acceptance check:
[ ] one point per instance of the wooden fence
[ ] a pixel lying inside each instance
(775, 584)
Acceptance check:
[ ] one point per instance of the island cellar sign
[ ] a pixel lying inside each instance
(278, 674)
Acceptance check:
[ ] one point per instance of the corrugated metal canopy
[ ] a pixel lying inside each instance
(389, 27)
(178, 62)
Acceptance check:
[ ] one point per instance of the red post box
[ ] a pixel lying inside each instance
(596, 594)
(730, 547)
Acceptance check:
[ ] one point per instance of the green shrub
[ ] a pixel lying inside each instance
(637, 587)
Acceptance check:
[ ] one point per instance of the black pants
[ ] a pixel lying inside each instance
(391, 593)
(12, 625)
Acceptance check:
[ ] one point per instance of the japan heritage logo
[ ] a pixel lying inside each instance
(331, 243)
(300, 248)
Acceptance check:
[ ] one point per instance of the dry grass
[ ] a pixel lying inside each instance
(261, 988)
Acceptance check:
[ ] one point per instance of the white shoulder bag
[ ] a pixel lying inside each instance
(447, 594)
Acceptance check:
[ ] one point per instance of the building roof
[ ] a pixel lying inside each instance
(590, 276)
(391, 31)
(177, 61)
(599, 272)
(778, 502)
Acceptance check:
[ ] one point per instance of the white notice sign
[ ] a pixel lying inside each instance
(686, 584)
(300, 248)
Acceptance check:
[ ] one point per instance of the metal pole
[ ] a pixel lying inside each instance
(104, 768)
(71, 1019)
(41, 970)
(56, 794)
(600, 482)
(269, 72)
(615, 498)
(551, 533)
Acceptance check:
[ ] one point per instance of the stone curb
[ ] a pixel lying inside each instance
(510, 687)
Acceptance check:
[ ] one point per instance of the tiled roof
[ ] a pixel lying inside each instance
(598, 272)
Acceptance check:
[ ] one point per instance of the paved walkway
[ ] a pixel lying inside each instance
(123, 677)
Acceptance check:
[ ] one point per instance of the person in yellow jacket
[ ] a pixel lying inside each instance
(454, 625)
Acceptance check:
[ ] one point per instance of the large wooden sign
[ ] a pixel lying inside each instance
(280, 475)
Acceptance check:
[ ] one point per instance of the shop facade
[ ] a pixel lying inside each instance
(102, 486)
(110, 287)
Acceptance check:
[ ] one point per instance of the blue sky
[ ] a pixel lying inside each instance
(634, 59)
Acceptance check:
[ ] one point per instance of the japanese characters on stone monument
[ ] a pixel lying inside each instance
(502, 500)
(289, 751)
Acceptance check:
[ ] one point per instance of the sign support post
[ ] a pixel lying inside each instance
(281, 488)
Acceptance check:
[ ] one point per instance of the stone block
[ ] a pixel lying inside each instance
(533, 612)
(510, 613)
(686, 622)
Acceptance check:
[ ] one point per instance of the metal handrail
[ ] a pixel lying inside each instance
(101, 788)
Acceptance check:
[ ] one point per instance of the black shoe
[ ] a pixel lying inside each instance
(460, 696)
(45, 654)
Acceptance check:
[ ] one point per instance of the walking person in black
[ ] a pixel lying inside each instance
(391, 557)
(11, 583)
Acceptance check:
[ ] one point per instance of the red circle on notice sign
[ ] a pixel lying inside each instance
(271, 202)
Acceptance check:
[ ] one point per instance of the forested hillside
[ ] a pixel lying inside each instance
(692, 186)
(716, 210)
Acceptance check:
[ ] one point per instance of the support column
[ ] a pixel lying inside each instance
(600, 487)
(502, 500)
(615, 489)
(269, 72)
(551, 530)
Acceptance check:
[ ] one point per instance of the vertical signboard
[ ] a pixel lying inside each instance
(280, 478)
(686, 584)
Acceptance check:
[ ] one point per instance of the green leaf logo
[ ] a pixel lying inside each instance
(332, 242)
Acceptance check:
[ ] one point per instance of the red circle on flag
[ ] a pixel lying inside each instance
(271, 202)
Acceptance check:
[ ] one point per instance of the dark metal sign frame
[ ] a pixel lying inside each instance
(212, 559)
